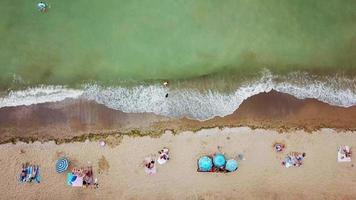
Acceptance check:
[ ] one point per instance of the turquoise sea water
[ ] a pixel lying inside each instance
(86, 40)
(109, 49)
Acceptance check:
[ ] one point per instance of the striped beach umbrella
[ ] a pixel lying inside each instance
(231, 165)
(62, 165)
(219, 160)
(205, 164)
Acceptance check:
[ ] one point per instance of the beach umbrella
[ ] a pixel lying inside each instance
(231, 165)
(62, 165)
(205, 164)
(219, 160)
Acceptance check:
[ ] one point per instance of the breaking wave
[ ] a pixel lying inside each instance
(37, 95)
(190, 102)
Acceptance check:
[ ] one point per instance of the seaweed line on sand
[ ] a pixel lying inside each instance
(158, 133)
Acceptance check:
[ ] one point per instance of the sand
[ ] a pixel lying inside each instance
(260, 176)
(75, 120)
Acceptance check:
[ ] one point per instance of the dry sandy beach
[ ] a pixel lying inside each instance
(260, 176)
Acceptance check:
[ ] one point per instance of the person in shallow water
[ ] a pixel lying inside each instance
(166, 85)
(42, 6)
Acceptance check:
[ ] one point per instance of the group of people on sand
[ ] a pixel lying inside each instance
(150, 162)
(30, 173)
(294, 159)
(86, 175)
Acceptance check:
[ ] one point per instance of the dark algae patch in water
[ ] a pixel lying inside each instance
(80, 41)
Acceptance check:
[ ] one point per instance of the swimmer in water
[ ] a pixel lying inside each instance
(166, 85)
(42, 7)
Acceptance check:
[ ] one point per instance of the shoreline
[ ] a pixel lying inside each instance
(78, 120)
(259, 176)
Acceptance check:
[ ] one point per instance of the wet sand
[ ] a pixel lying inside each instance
(76, 120)
(260, 176)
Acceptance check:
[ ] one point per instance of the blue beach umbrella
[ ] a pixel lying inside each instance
(205, 164)
(231, 165)
(219, 160)
(62, 165)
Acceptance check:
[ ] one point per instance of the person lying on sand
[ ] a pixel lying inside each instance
(151, 164)
(346, 152)
(294, 159)
(29, 170)
(279, 147)
(78, 172)
(163, 156)
(23, 174)
(34, 172)
(150, 167)
(88, 178)
(37, 177)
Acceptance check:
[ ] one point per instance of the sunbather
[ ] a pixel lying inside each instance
(294, 159)
(23, 174)
(164, 156)
(279, 147)
(34, 172)
(78, 172)
(150, 166)
(29, 173)
(88, 178)
(37, 174)
(346, 152)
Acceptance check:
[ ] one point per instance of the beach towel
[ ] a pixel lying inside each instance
(163, 158)
(78, 182)
(38, 176)
(288, 162)
(69, 178)
(151, 171)
(74, 181)
(161, 161)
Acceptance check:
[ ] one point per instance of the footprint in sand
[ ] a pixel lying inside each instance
(103, 165)
(203, 143)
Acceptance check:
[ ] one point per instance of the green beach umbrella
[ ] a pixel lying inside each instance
(219, 160)
(205, 164)
(231, 165)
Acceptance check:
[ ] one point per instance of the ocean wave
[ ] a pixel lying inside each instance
(189, 102)
(41, 94)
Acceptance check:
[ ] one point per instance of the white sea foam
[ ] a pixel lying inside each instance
(188, 102)
(37, 95)
(205, 105)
